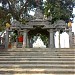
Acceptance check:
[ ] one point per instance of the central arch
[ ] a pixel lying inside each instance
(43, 33)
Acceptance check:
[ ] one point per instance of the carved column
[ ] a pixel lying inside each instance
(70, 38)
(7, 38)
(51, 38)
(25, 38)
(0, 40)
(59, 38)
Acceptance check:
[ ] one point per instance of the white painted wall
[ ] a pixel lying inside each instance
(64, 40)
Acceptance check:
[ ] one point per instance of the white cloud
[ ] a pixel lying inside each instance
(73, 10)
(44, 0)
(32, 13)
(0, 4)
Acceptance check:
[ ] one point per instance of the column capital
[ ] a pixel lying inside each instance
(26, 30)
(50, 30)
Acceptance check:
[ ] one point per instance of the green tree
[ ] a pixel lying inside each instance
(18, 9)
(59, 9)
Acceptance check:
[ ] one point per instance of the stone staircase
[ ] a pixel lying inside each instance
(37, 61)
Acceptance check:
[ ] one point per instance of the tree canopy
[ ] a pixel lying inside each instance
(18, 9)
(59, 9)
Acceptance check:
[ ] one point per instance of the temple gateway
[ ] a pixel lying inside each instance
(39, 25)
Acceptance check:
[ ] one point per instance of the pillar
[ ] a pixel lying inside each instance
(0, 40)
(59, 38)
(70, 38)
(25, 38)
(7, 38)
(51, 38)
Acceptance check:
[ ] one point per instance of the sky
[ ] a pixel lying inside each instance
(73, 24)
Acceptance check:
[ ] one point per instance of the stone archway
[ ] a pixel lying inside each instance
(39, 25)
(33, 35)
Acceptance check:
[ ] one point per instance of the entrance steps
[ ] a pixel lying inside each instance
(37, 61)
